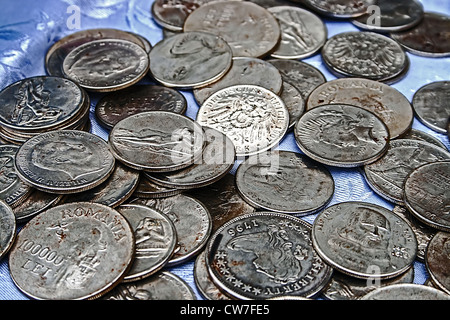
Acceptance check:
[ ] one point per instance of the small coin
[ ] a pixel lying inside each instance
(423, 136)
(64, 161)
(430, 38)
(286, 182)
(340, 8)
(106, 65)
(364, 240)
(8, 228)
(294, 102)
(264, 255)
(72, 252)
(341, 135)
(431, 106)
(438, 261)
(37, 202)
(249, 29)
(387, 175)
(190, 60)
(302, 32)
(116, 106)
(157, 141)
(406, 291)
(254, 118)
(149, 190)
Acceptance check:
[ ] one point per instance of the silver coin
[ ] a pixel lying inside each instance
(149, 190)
(249, 29)
(302, 32)
(294, 102)
(37, 202)
(8, 228)
(437, 261)
(431, 106)
(366, 55)
(341, 135)
(423, 136)
(339, 8)
(190, 60)
(364, 240)
(254, 118)
(64, 161)
(159, 141)
(106, 65)
(406, 291)
(264, 255)
(386, 102)
(72, 252)
(244, 70)
(387, 175)
(286, 182)
(155, 237)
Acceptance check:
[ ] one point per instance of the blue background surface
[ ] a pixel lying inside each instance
(28, 28)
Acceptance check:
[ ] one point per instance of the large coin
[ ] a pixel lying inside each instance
(264, 255)
(364, 240)
(254, 118)
(64, 161)
(190, 60)
(8, 228)
(72, 251)
(406, 291)
(437, 261)
(340, 8)
(249, 29)
(341, 135)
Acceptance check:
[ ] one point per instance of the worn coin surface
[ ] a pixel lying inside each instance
(286, 182)
(143, 143)
(387, 175)
(431, 105)
(72, 252)
(438, 261)
(406, 291)
(340, 8)
(106, 65)
(8, 227)
(116, 106)
(341, 135)
(254, 118)
(364, 240)
(249, 29)
(423, 136)
(64, 161)
(190, 60)
(294, 102)
(35, 203)
(264, 255)
(148, 189)
(389, 104)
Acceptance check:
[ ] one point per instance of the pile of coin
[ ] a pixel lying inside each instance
(108, 219)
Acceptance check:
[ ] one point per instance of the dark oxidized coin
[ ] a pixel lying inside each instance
(438, 261)
(37, 202)
(8, 228)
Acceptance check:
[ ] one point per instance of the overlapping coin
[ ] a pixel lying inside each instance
(8, 227)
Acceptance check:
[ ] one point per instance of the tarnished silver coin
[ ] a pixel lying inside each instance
(249, 29)
(302, 32)
(116, 106)
(155, 236)
(157, 141)
(37, 202)
(389, 104)
(8, 228)
(294, 102)
(244, 70)
(406, 291)
(364, 240)
(72, 252)
(341, 135)
(438, 261)
(190, 60)
(254, 118)
(106, 65)
(387, 175)
(427, 194)
(149, 190)
(164, 285)
(264, 255)
(286, 182)
(64, 161)
(431, 105)
(340, 8)
(366, 55)
(423, 136)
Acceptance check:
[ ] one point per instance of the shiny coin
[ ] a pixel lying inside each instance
(157, 141)
(294, 102)
(106, 65)
(190, 60)
(116, 106)
(249, 29)
(431, 105)
(386, 102)
(155, 237)
(284, 181)
(64, 161)
(387, 175)
(406, 291)
(72, 252)
(340, 8)
(341, 135)
(37, 202)
(302, 33)
(364, 240)
(254, 118)
(149, 190)
(264, 255)
(438, 261)
(8, 228)
(366, 55)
